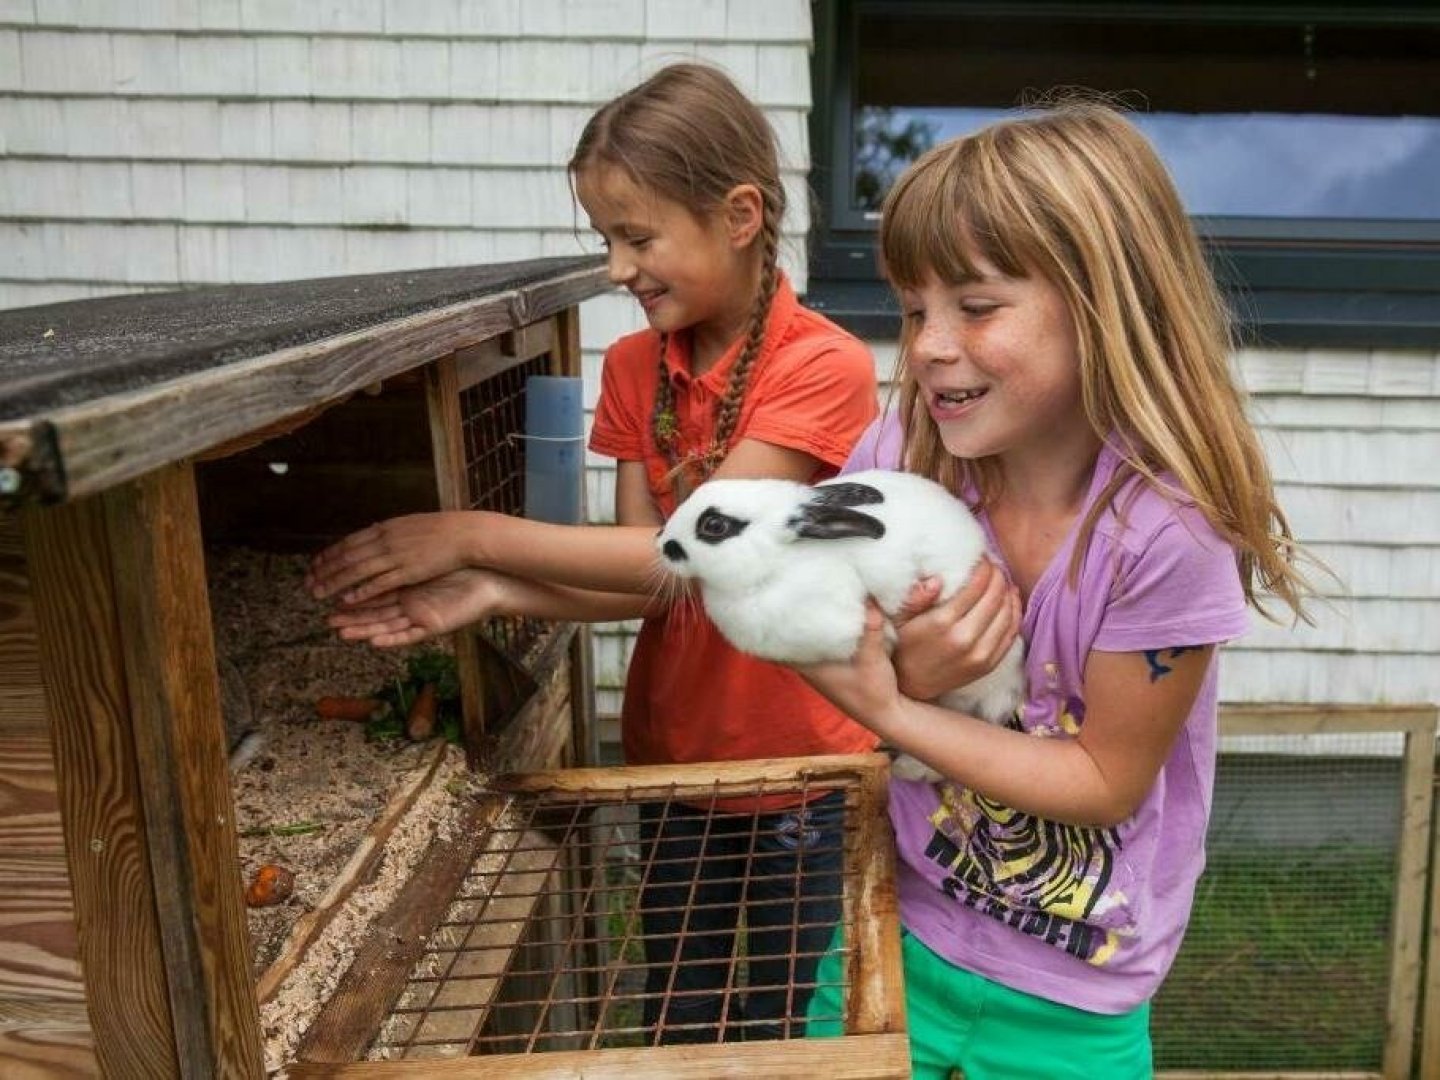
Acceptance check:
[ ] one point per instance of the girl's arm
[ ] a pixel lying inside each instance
(416, 613)
(1135, 704)
(407, 550)
(620, 558)
(413, 613)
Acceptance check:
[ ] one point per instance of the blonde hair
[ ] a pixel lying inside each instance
(1073, 193)
(688, 135)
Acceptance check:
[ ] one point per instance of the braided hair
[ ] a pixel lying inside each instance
(689, 135)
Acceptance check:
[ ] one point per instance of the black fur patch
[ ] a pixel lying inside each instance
(844, 493)
(822, 521)
(715, 527)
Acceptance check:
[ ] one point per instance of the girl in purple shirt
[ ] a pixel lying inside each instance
(1064, 369)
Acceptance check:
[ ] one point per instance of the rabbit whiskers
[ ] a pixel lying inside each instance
(677, 596)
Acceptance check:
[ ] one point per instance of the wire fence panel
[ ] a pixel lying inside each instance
(1302, 953)
(542, 949)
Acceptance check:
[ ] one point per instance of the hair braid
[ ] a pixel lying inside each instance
(663, 424)
(727, 413)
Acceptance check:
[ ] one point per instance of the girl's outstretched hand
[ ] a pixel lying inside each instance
(864, 688)
(416, 613)
(942, 646)
(390, 555)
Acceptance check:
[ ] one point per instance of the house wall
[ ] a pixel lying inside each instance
(1353, 438)
(153, 144)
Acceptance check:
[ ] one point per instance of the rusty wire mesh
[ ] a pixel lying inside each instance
(542, 948)
(492, 414)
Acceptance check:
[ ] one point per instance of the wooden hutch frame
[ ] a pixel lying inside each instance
(126, 941)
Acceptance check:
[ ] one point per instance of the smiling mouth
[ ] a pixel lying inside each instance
(957, 397)
(648, 296)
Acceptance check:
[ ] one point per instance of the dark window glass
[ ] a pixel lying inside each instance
(1266, 165)
(1267, 115)
(1304, 136)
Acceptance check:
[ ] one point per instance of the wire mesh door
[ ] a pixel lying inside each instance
(492, 416)
(477, 405)
(542, 950)
(1303, 952)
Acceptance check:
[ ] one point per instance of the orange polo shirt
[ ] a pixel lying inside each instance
(690, 696)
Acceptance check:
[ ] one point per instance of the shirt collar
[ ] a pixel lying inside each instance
(782, 311)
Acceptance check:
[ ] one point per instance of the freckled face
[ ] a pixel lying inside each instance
(685, 271)
(996, 362)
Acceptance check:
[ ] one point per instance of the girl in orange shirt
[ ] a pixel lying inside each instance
(733, 378)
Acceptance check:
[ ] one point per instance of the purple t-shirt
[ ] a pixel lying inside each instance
(1085, 916)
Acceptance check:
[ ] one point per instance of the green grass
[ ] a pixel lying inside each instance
(1285, 964)
(622, 920)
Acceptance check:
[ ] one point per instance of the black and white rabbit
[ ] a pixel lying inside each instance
(784, 569)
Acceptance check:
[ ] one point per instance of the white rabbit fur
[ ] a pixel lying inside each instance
(784, 569)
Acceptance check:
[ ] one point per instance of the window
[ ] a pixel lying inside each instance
(1304, 139)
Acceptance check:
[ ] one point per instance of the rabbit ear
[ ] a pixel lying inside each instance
(820, 520)
(846, 493)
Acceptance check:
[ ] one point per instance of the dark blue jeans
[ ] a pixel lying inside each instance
(776, 877)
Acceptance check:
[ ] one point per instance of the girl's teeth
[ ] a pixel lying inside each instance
(958, 397)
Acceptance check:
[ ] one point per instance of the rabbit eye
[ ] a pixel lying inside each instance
(712, 526)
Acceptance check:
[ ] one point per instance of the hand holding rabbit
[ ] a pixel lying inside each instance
(942, 644)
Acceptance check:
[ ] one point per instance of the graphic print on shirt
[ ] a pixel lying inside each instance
(1058, 883)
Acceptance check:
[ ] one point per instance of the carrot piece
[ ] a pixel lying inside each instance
(335, 707)
(420, 721)
(271, 884)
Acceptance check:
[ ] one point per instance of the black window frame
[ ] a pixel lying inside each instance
(1290, 282)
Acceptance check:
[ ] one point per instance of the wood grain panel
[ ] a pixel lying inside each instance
(368, 989)
(98, 783)
(447, 450)
(29, 801)
(39, 950)
(46, 1042)
(22, 701)
(540, 734)
(584, 748)
(874, 1006)
(695, 780)
(855, 1057)
(169, 656)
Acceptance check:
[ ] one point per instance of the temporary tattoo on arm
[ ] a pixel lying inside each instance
(1157, 669)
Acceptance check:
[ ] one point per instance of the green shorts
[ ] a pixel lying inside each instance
(961, 1021)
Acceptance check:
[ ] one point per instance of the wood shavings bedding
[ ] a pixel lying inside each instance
(308, 791)
(286, 1017)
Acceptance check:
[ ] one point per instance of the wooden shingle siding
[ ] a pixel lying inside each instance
(750, 20)
(189, 125)
(237, 66)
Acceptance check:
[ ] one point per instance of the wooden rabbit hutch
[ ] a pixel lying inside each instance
(159, 451)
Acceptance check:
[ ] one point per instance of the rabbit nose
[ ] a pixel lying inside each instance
(673, 551)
